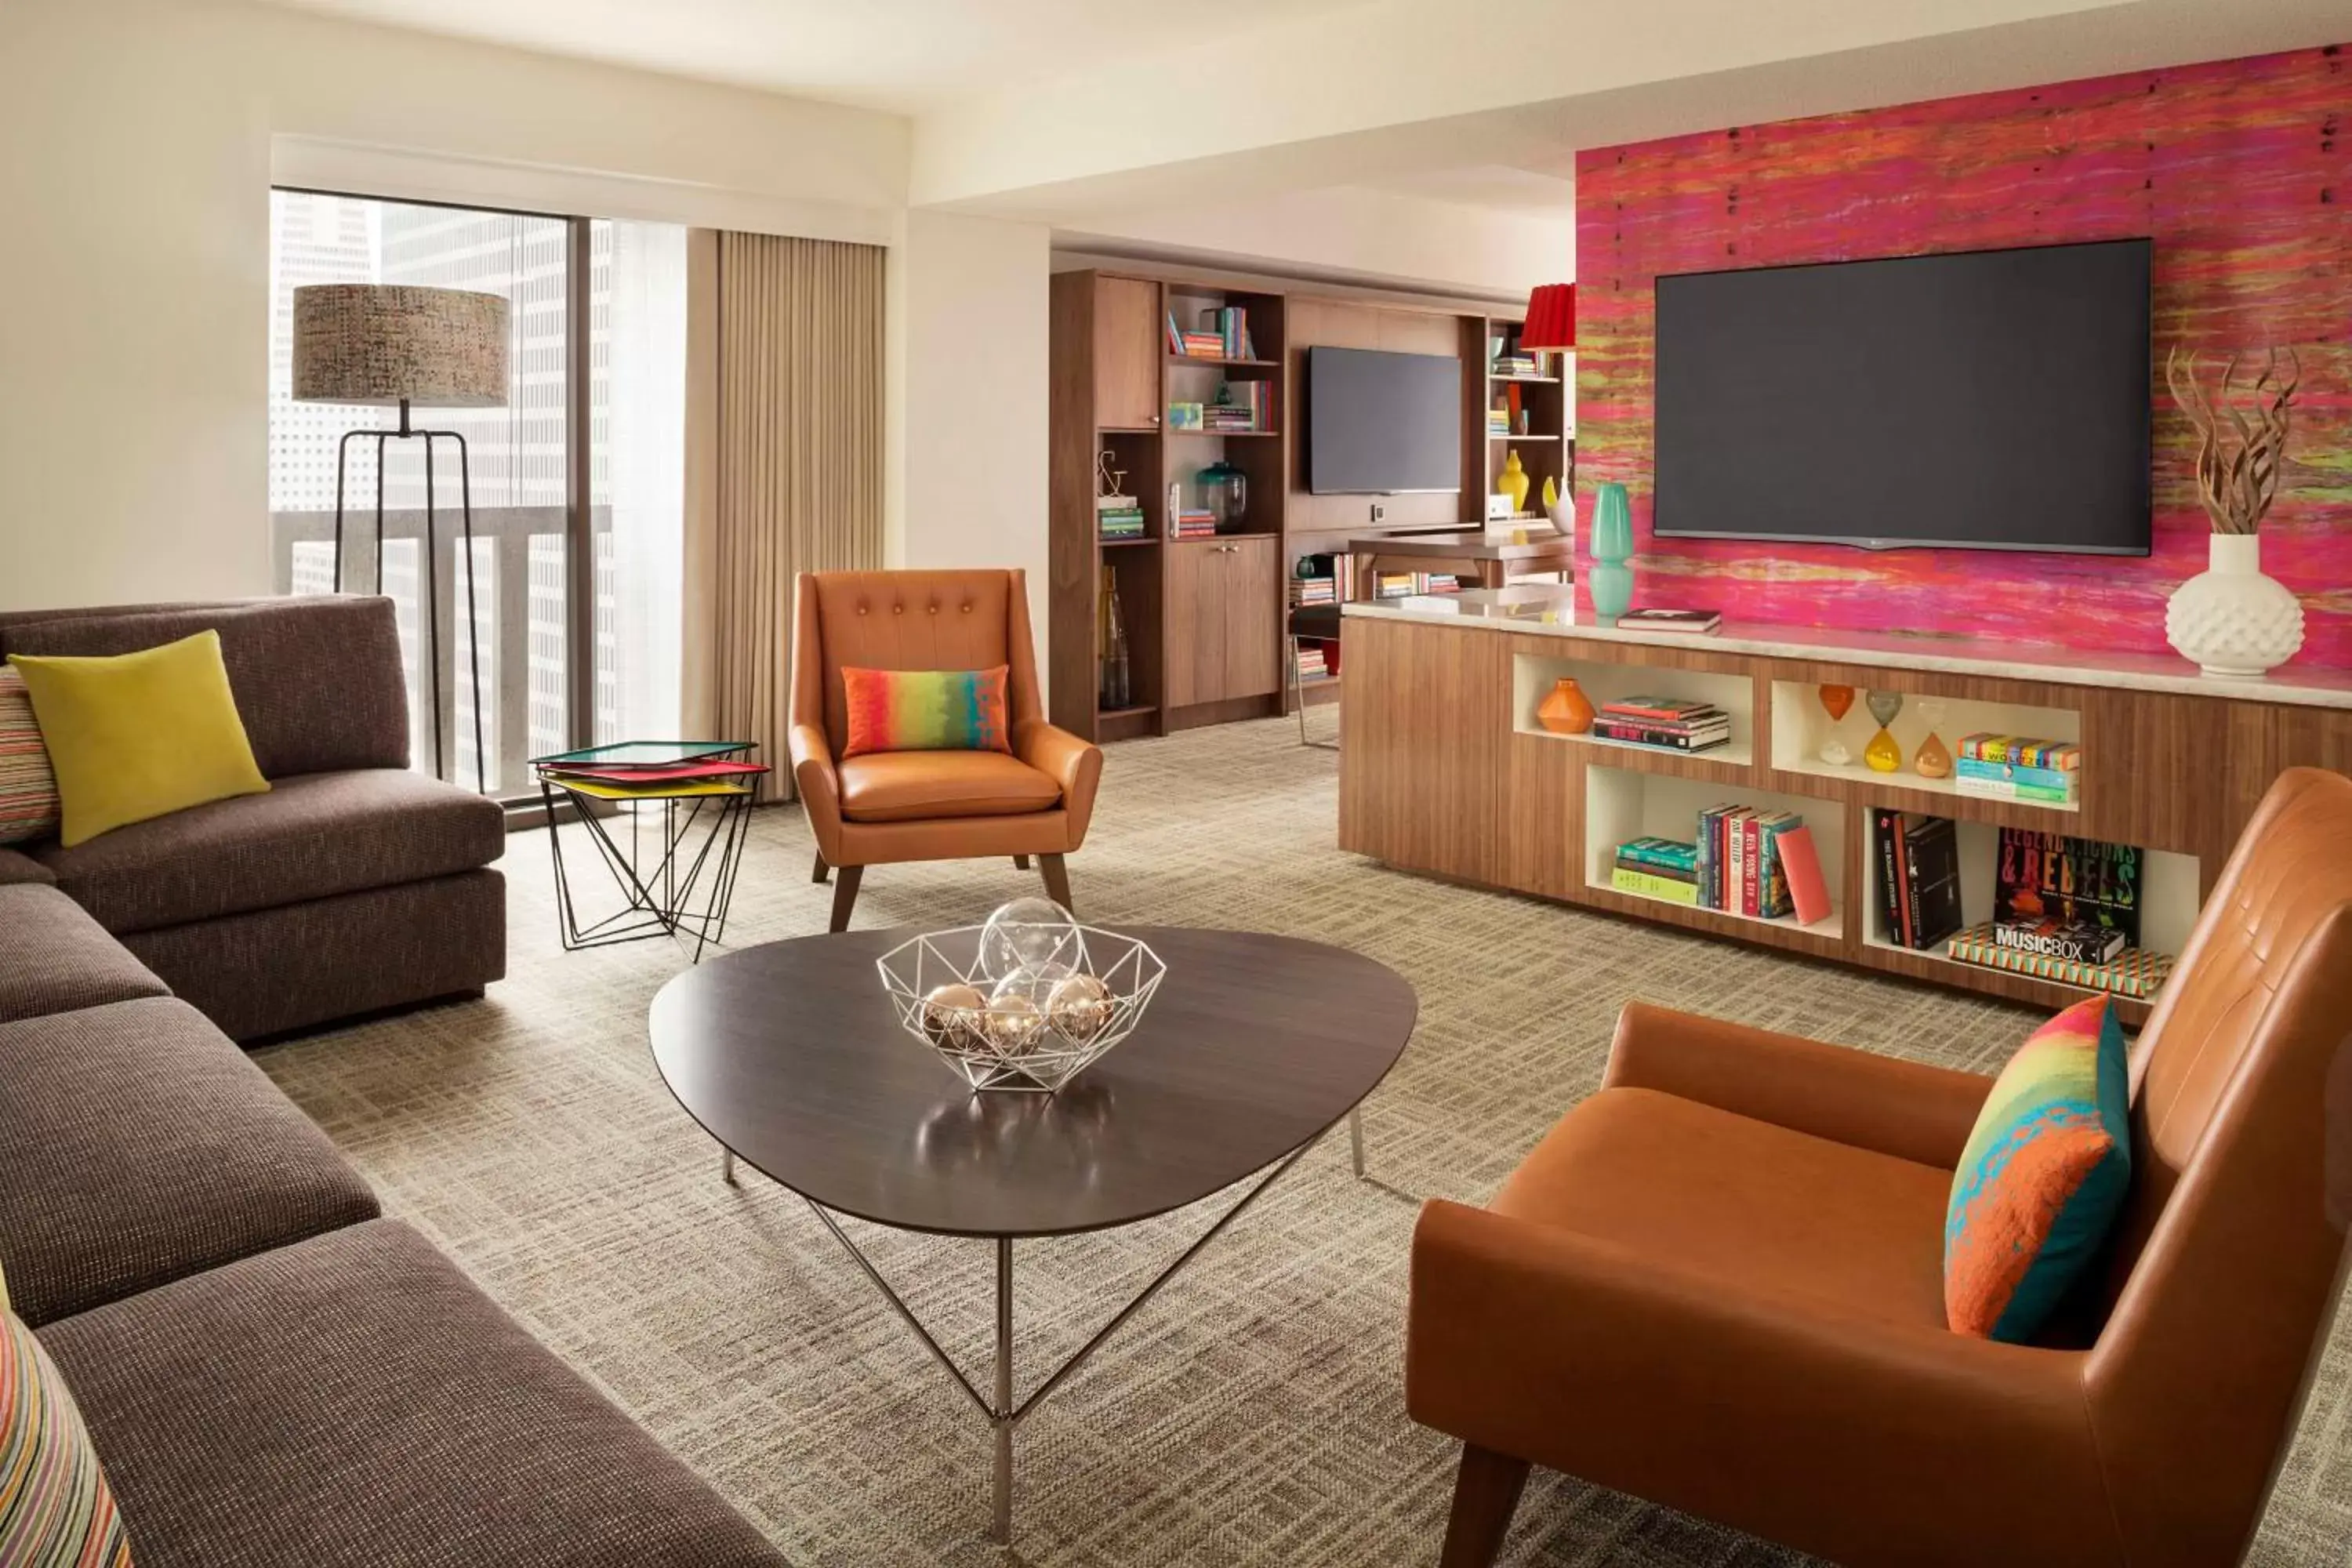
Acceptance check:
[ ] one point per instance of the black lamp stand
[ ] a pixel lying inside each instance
(432, 568)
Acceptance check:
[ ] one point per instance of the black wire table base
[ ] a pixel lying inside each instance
(676, 877)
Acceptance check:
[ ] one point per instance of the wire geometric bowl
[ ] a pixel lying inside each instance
(1086, 996)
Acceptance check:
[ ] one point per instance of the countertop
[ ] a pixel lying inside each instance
(1538, 610)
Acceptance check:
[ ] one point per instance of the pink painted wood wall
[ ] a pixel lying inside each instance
(2240, 171)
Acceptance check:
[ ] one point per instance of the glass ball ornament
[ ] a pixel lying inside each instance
(1028, 933)
(952, 1016)
(1016, 1017)
(1079, 1008)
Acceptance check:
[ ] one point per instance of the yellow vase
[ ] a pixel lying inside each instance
(1882, 755)
(1513, 482)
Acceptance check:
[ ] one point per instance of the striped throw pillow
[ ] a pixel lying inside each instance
(55, 1509)
(926, 710)
(29, 790)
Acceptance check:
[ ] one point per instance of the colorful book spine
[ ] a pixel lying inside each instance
(1985, 747)
(1646, 735)
(1650, 884)
(1664, 853)
(2006, 781)
(2133, 972)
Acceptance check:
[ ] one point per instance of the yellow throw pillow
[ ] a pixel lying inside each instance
(139, 735)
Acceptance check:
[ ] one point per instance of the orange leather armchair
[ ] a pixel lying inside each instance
(1717, 1283)
(887, 806)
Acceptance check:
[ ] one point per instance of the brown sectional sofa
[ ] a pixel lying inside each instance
(352, 885)
(272, 1374)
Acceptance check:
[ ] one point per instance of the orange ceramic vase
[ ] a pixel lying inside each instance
(1567, 710)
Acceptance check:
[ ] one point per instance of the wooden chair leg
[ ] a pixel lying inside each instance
(1057, 879)
(1485, 1494)
(818, 875)
(1021, 862)
(844, 895)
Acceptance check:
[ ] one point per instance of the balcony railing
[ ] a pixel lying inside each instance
(521, 594)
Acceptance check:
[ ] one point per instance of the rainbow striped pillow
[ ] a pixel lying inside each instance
(28, 787)
(55, 1505)
(926, 710)
(2043, 1178)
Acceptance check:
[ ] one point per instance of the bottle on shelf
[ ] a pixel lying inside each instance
(1118, 677)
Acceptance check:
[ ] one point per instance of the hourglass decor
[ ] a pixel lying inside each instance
(1837, 701)
(1933, 758)
(1882, 755)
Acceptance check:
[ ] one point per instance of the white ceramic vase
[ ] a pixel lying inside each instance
(2230, 619)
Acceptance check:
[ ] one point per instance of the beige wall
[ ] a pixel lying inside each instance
(134, 191)
(966, 400)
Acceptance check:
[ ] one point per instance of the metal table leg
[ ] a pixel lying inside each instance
(1003, 1415)
(999, 1529)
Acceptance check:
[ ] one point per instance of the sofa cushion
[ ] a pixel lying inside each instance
(56, 1508)
(143, 1146)
(2043, 1177)
(28, 785)
(140, 735)
(54, 958)
(906, 786)
(312, 835)
(1753, 1208)
(17, 867)
(318, 679)
(355, 1401)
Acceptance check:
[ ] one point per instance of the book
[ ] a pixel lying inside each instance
(1667, 853)
(2056, 939)
(1985, 747)
(1650, 886)
(1809, 892)
(2041, 877)
(1697, 622)
(2014, 781)
(1665, 710)
(1651, 869)
(2134, 971)
(1931, 890)
(1665, 740)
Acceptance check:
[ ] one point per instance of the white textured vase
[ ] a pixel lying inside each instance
(2230, 619)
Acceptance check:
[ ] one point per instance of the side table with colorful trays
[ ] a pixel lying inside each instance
(674, 868)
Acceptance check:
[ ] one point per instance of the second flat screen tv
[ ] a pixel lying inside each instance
(1381, 423)
(1991, 400)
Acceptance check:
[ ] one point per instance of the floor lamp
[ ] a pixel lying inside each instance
(390, 344)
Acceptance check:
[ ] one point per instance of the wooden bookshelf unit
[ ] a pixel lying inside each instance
(1206, 617)
(1444, 768)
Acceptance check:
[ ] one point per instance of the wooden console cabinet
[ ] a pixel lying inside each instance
(1443, 769)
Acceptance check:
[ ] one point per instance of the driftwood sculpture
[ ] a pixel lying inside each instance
(2236, 483)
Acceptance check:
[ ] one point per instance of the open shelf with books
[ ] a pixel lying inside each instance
(1628, 807)
(2064, 900)
(1808, 736)
(1622, 695)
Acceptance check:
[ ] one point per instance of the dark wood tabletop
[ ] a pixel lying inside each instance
(790, 1054)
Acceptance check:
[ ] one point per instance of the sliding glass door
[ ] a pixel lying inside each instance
(556, 477)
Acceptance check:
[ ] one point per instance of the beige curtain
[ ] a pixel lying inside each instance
(783, 466)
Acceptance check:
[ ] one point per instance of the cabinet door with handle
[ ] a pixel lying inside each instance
(1127, 350)
(1250, 585)
(1195, 600)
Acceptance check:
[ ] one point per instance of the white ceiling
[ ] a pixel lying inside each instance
(902, 55)
(1501, 187)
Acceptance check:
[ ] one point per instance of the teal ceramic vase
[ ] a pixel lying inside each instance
(1610, 580)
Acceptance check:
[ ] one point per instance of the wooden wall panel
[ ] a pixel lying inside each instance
(1353, 325)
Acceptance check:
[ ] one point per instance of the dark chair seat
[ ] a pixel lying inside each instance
(354, 1401)
(54, 959)
(143, 1146)
(311, 836)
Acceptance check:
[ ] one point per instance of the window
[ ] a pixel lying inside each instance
(528, 633)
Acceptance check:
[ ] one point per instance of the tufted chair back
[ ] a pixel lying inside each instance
(908, 620)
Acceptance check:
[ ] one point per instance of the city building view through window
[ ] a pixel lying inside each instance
(524, 626)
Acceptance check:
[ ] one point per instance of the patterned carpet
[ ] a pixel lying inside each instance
(1254, 1413)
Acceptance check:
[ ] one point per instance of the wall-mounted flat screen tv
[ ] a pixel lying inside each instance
(1383, 424)
(1986, 400)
